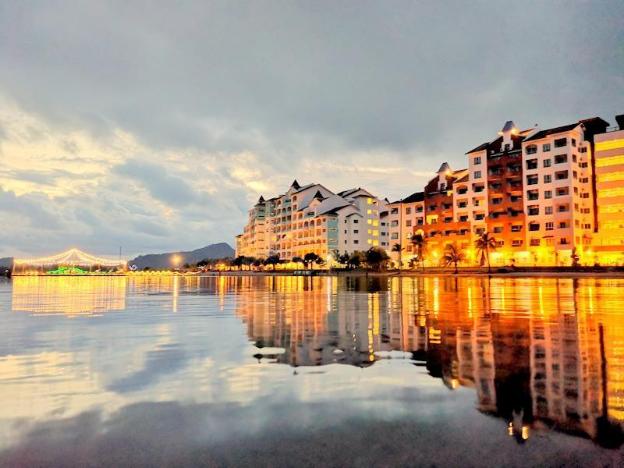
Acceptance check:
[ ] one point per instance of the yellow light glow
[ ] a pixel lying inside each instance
(609, 145)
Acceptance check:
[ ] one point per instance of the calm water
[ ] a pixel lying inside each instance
(311, 371)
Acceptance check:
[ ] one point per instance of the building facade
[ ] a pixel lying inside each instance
(548, 197)
(313, 219)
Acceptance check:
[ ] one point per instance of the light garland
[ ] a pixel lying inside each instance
(69, 257)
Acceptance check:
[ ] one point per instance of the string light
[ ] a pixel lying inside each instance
(70, 257)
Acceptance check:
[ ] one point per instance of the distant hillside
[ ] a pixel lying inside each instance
(163, 260)
(6, 262)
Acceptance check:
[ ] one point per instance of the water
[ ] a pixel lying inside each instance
(284, 371)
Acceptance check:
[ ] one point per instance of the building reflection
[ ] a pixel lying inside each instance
(68, 295)
(539, 353)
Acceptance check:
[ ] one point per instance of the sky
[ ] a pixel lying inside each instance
(154, 126)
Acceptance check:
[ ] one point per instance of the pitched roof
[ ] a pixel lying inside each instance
(414, 197)
(444, 167)
(552, 131)
(260, 200)
(295, 185)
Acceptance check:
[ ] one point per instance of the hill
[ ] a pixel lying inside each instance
(6, 262)
(163, 260)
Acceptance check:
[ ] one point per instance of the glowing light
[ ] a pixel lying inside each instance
(69, 257)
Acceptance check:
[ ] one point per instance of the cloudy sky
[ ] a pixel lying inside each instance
(154, 127)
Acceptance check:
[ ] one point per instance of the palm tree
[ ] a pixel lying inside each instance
(420, 246)
(485, 244)
(397, 248)
(452, 256)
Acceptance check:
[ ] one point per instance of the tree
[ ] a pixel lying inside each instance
(258, 262)
(397, 248)
(376, 258)
(272, 260)
(344, 258)
(355, 259)
(297, 260)
(238, 261)
(310, 258)
(485, 244)
(420, 247)
(452, 256)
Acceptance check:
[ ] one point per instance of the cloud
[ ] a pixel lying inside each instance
(170, 111)
(161, 185)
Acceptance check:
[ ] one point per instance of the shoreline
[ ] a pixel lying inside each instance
(416, 274)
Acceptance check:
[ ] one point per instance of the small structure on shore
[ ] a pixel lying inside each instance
(72, 262)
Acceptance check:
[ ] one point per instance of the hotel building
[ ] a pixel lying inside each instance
(548, 197)
(313, 219)
(609, 163)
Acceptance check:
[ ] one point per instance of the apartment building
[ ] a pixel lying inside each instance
(442, 225)
(401, 218)
(547, 196)
(560, 192)
(312, 218)
(609, 164)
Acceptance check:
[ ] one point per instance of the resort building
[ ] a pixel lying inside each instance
(559, 192)
(442, 225)
(548, 197)
(609, 163)
(313, 219)
(401, 218)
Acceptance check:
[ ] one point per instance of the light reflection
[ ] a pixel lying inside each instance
(536, 353)
(68, 295)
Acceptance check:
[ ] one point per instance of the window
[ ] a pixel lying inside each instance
(574, 158)
(562, 191)
(563, 225)
(532, 194)
(563, 208)
(463, 218)
(356, 231)
(547, 162)
(498, 229)
(497, 201)
(573, 142)
(355, 221)
(531, 149)
(561, 142)
(546, 147)
(535, 242)
(549, 226)
(532, 180)
(561, 158)
(479, 216)
(547, 179)
(563, 241)
(516, 243)
(533, 210)
(548, 210)
(531, 164)
(477, 174)
(516, 228)
(356, 241)
(548, 194)
(561, 175)
(408, 211)
(408, 223)
(462, 204)
(477, 160)
(534, 227)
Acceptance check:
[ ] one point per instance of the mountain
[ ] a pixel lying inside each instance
(163, 260)
(6, 262)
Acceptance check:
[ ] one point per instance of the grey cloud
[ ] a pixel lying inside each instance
(295, 84)
(167, 188)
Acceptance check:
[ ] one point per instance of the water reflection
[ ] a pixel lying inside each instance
(68, 295)
(536, 352)
(533, 356)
